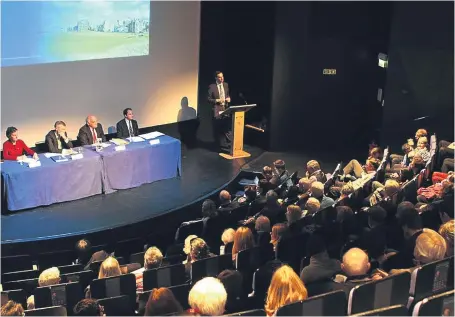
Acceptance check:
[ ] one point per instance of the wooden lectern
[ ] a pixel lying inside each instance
(238, 125)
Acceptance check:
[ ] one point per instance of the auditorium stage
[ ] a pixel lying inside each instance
(159, 206)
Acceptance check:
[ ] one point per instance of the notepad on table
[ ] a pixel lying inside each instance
(59, 158)
(151, 135)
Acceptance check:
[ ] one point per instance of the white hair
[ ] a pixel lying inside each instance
(208, 297)
(317, 189)
(49, 277)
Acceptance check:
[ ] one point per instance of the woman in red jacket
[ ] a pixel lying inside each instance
(13, 149)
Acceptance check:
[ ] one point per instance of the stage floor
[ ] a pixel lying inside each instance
(204, 172)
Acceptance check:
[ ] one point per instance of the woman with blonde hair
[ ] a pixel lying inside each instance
(430, 247)
(109, 268)
(446, 231)
(243, 240)
(285, 288)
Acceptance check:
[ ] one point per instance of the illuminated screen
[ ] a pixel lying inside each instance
(36, 32)
(64, 60)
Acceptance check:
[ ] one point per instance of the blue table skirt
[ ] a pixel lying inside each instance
(141, 163)
(52, 182)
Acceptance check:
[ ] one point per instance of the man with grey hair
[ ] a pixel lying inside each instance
(208, 297)
(57, 139)
(317, 191)
(91, 131)
(48, 277)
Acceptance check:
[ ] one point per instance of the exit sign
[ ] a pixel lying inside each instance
(329, 71)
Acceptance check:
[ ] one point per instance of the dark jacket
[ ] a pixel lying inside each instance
(214, 94)
(321, 268)
(122, 129)
(85, 134)
(52, 143)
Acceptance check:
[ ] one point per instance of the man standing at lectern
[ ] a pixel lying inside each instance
(218, 97)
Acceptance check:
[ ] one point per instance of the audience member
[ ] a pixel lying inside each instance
(317, 191)
(208, 297)
(311, 207)
(446, 150)
(355, 266)
(48, 277)
(280, 173)
(88, 307)
(12, 308)
(187, 247)
(162, 302)
(285, 288)
(446, 231)
(262, 231)
(199, 251)
(374, 238)
(84, 252)
(228, 241)
(233, 284)
(209, 211)
(152, 260)
(243, 240)
(314, 169)
(278, 231)
(226, 204)
(321, 266)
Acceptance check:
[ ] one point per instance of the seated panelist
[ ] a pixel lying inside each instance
(127, 127)
(13, 148)
(91, 131)
(57, 139)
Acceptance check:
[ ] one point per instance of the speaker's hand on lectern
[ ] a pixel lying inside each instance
(228, 99)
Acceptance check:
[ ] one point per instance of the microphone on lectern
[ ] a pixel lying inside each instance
(243, 98)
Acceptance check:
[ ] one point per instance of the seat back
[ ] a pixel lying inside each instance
(181, 294)
(432, 278)
(115, 286)
(251, 259)
(213, 230)
(83, 277)
(117, 306)
(396, 310)
(389, 291)
(164, 276)
(437, 305)
(287, 252)
(17, 295)
(27, 285)
(210, 266)
(16, 263)
(48, 311)
(66, 295)
(19, 275)
(174, 259)
(188, 228)
(253, 312)
(57, 258)
(330, 304)
(137, 258)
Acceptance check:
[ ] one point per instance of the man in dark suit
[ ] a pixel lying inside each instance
(128, 126)
(91, 131)
(57, 139)
(219, 98)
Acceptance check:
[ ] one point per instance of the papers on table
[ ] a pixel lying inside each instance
(117, 141)
(103, 145)
(48, 155)
(59, 158)
(135, 139)
(151, 135)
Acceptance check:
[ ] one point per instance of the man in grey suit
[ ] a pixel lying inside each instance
(57, 139)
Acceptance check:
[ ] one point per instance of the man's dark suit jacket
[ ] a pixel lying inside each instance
(122, 129)
(52, 144)
(215, 94)
(85, 134)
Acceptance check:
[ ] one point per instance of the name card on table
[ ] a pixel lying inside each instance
(120, 148)
(34, 164)
(77, 156)
(155, 141)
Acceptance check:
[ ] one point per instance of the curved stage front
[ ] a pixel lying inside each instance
(203, 173)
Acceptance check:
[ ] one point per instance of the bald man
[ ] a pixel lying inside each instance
(91, 131)
(226, 204)
(355, 267)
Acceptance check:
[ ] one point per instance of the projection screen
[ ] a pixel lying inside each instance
(64, 60)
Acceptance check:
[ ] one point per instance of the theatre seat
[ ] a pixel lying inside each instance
(210, 267)
(115, 286)
(27, 285)
(48, 311)
(83, 277)
(17, 295)
(253, 312)
(16, 263)
(164, 276)
(437, 305)
(396, 310)
(329, 304)
(116, 306)
(379, 294)
(67, 295)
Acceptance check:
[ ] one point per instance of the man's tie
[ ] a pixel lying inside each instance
(130, 128)
(94, 136)
(222, 97)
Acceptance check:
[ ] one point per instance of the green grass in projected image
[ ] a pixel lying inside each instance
(92, 45)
